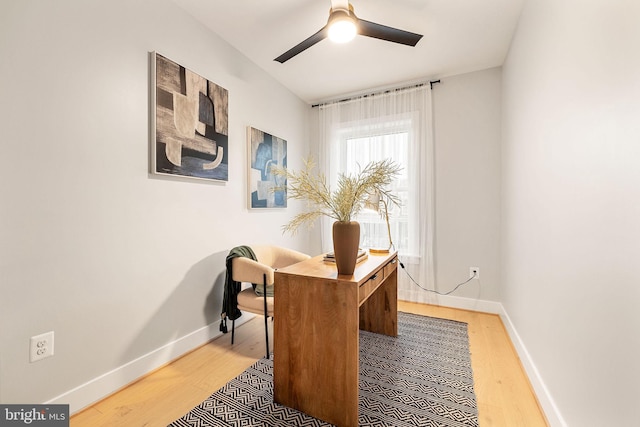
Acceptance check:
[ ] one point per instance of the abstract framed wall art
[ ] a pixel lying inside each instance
(266, 190)
(190, 123)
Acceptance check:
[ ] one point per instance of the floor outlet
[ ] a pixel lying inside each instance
(474, 271)
(41, 347)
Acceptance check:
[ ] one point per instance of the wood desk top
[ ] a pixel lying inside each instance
(316, 267)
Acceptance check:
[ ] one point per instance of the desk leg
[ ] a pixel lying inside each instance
(379, 313)
(316, 348)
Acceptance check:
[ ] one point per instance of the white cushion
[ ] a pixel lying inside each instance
(249, 301)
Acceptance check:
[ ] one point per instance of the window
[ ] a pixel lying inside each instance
(364, 143)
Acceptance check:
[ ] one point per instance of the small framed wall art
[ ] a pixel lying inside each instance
(266, 190)
(190, 123)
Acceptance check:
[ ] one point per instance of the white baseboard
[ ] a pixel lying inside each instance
(98, 388)
(451, 301)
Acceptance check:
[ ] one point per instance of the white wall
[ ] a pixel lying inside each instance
(571, 205)
(127, 269)
(466, 116)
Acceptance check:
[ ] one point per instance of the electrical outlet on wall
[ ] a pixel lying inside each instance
(474, 272)
(41, 347)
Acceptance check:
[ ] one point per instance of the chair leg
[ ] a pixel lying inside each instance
(233, 330)
(266, 317)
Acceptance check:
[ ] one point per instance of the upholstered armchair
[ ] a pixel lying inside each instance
(260, 273)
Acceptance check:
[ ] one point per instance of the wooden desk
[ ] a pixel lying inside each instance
(317, 317)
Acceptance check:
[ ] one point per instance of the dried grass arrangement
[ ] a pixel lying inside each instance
(347, 200)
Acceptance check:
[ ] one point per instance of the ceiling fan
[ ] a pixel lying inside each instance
(343, 25)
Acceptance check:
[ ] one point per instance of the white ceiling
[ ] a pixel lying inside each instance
(459, 36)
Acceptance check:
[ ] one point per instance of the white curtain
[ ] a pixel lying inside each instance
(395, 124)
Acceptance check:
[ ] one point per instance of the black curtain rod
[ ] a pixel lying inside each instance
(431, 83)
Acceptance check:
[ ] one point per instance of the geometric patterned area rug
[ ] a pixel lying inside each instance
(421, 378)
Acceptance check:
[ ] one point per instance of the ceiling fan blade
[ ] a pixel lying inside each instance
(306, 44)
(379, 31)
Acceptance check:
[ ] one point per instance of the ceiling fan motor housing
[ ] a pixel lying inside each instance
(342, 25)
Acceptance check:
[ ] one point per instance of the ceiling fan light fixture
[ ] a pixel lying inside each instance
(342, 26)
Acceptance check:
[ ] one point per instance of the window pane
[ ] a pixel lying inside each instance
(357, 153)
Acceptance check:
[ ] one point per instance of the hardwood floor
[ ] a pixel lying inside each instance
(503, 391)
